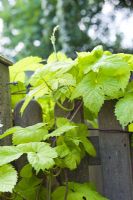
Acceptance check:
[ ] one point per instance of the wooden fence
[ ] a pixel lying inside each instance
(111, 170)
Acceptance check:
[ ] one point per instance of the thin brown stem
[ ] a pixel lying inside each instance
(76, 111)
(58, 173)
(64, 108)
(66, 181)
(38, 192)
(49, 186)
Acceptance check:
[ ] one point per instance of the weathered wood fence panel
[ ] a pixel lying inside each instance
(89, 168)
(115, 157)
(5, 107)
(95, 169)
(111, 173)
(32, 114)
(111, 169)
(131, 153)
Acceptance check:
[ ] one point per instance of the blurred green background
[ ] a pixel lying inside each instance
(26, 26)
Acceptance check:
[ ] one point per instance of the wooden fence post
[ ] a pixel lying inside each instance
(115, 157)
(5, 107)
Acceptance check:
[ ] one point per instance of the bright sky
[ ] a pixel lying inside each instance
(121, 24)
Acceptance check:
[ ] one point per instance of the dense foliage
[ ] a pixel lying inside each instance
(28, 25)
(93, 77)
(58, 144)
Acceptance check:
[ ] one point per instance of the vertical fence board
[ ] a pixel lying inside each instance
(95, 170)
(115, 157)
(31, 116)
(132, 159)
(95, 177)
(5, 107)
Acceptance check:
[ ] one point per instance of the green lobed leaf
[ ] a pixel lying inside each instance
(91, 91)
(72, 160)
(47, 106)
(26, 171)
(51, 71)
(94, 88)
(26, 64)
(60, 66)
(77, 191)
(59, 131)
(8, 154)
(64, 80)
(128, 58)
(42, 160)
(40, 155)
(129, 88)
(18, 93)
(36, 92)
(58, 193)
(60, 121)
(43, 193)
(112, 64)
(8, 178)
(32, 147)
(34, 133)
(16, 197)
(98, 61)
(113, 87)
(28, 187)
(62, 150)
(61, 57)
(10, 131)
(86, 190)
(124, 110)
(86, 59)
(77, 136)
(89, 148)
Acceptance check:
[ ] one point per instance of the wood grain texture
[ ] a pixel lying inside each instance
(95, 141)
(95, 169)
(5, 106)
(95, 177)
(115, 157)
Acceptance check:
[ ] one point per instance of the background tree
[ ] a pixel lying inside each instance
(28, 26)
